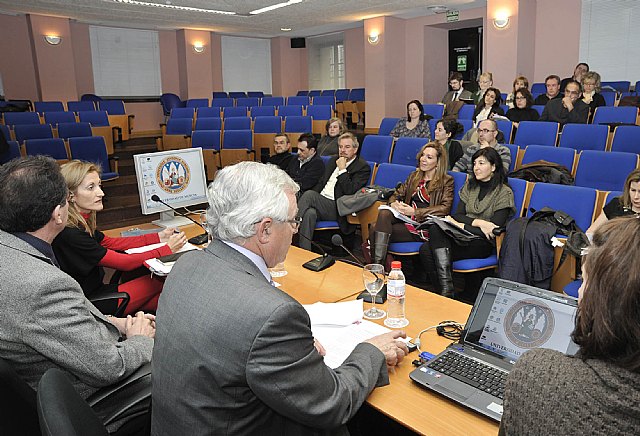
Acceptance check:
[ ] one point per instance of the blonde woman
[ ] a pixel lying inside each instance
(328, 144)
(82, 251)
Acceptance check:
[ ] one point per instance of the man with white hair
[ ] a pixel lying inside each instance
(234, 354)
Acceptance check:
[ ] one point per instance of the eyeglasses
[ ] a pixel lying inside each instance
(521, 98)
(295, 223)
(571, 92)
(485, 131)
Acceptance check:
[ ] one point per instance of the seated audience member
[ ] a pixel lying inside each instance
(578, 73)
(518, 83)
(328, 144)
(453, 100)
(427, 191)
(234, 354)
(523, 110)
(552, 83)
(83, 251)
(45, 319)
(414, 125)
(591, 91)
(489, 106)
(282, 147)
(485, 81)
(597, 391)
(486, 202)
(4, 145)
(569, 109)
(307, 169)
(343, 175)
(627, 204)
(487, 137)
(445, 129)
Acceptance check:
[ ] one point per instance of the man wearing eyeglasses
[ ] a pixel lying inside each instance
(487, 134)
(569, 109)
(234, 354)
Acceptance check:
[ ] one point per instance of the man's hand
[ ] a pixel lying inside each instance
(319, 348)
(341, 163)
(176, 241)
(393, 350)
(140, 325)
(568, 103)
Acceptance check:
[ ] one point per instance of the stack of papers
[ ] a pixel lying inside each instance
(155, 265)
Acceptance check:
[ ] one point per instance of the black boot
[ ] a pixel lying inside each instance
(442, 258)
(379, 248)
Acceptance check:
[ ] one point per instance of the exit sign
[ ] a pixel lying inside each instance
(453, 16)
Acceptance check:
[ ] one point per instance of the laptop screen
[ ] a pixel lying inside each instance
(509, 319)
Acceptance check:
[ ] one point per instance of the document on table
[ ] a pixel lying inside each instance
(155, 265)
(185, 247)
(398, 215)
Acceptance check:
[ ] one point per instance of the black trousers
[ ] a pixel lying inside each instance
(476, 248)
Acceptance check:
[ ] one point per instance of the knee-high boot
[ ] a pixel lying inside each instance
(442, 258)
(380, 246)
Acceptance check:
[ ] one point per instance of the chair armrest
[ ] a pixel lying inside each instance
(114, 165)
(112, 295)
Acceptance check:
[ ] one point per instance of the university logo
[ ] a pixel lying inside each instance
(173, 175)
(529, 324)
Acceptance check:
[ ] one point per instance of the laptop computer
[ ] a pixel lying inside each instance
(506, 320)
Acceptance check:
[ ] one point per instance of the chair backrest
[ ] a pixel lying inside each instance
(539, 88)
(183, 112)
(506, 127)
(619, 114)
(13, 153)
(168, 102)
(262, 111)
(91, 149)
(342, 95)
(376, 148)
(324, 100)
(258, 94)
(220, 94)
(238, 111)
(287, 111)
(609, 97)
(32, 131)
(53, 147)
(72, 130)
(95, 118)
(272, 101)
(113, 107)
(584, 136)
(619, 85)
(539, 108)
(248, 101)
(459, 179)
(208, 112)
(179, 126)
(197, 102)
(387, 125)
(357, 94)
(406, 150)
(466, 112)
(536, 132)
(61, 410)
(17, 404)
(237, 123)
(328, 92)
(206, 139)
(320, 112)
(77, 106)
(467, 124)
(17, 118)
(54, 118)
(222, 102)
(315, 93)
(627, 139)
(237, 94)
(301, 100)
(605, 170)
(48, 106)
(235, 139)
(303, 93)
(519, 188)
(297, 124)
(577, 201)
(389, 175)
(90, 97)
(208, 123)
(267, 124)
(513, 149)
(562, 156)
(436, 111)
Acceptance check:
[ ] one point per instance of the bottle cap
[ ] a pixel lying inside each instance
(396, 264)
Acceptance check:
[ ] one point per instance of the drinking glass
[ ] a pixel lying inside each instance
(373, 278)
(278, 270)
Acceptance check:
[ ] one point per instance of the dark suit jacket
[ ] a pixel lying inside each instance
(307, 175)
(555, 111)
(356, 177)
(448, 97)
(234, 355)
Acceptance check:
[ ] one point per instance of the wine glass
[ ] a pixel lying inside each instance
(373, 278)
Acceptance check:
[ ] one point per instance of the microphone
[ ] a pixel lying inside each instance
(196, 240)
(319, 263)
(381, 296)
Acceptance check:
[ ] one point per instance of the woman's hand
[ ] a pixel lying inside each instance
(486, 227)
(452, 221)
(403, 208)
(166, 234)
(176, 241)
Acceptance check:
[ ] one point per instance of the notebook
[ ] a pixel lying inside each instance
(506, 320)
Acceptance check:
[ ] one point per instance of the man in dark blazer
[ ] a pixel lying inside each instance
(454, 99)
(307, 169)
(569, 109)
(234, 355)
(343, 175)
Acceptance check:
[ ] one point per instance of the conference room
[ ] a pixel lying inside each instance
(116, 82)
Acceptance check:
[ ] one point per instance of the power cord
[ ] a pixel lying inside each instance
(448, 329)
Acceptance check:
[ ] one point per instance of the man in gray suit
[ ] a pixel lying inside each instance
(234, 354)
(45, 319)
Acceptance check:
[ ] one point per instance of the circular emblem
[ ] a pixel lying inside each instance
(173, 175)
(529, 324)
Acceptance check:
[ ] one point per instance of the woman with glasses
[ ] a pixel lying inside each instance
(328, 144)
(519, 82)
(489, 106)
(591, 91)
(522, 110)
(414, 125)
(486, 203)
(485, 81)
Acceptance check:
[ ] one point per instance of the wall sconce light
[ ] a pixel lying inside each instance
(373, 38)
(501, 20)
(198, 47)
(53, 39)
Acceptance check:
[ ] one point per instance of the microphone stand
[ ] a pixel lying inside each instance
(319, 263)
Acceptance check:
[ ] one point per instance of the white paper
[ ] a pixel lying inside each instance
(398, 215)
(185, 247)
(335, 314)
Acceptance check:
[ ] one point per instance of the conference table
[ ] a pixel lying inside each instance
(404, 401)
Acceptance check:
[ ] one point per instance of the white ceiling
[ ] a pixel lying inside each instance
(310, 17)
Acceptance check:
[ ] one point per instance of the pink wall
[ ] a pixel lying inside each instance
(354, 41)
(82, 58)
(169, 73)
(289, 71)
(16, 62)
(196, 75)
(216, 62)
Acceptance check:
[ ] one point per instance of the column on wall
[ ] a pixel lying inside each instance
(195, 69)
(289, 68)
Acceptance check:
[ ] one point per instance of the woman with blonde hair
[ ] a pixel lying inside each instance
(427, 191)
(328, 144)
(82, 251)
(485, 81)
(626, 204)
(518, 83)
(591, 91)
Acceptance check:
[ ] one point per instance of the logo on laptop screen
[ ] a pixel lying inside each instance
(529, 324)
(173, 175)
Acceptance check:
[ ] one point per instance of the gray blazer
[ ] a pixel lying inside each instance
(235, 355)
(47, 322)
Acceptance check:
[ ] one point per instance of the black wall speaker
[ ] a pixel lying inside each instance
(298, 43)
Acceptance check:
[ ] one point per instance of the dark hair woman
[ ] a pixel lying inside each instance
(445, 129)
(522, 110)
(414, 125)
(598, 389)
(328, 144)
(427, 191)
(489, 105)
(486, 202)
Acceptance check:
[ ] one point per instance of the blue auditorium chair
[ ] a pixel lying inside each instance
(101, 126)
(183, 112)
(94, 149)
(610, 97)
(436, 111)
(319, 114)
(248, 101)
(342, 95)
(386, 125)
(562, 156)
(237, 123)
(168, 101)
(53, 118)
(272, 101)
(219, 94)
(74, 130)
(176, 134)
(290, 110)
(577, 201)
(258, 94)
(506, 127)
(17, 118)
(53, 147)
(208, 112)
(197, 102)
(536, 132)
(539, 88)
(77, 106)
(467, 124)
(315, 93)
(303, 93)
(222, 102)
(237, 94)
(324, 100)
(238, 111)
(48, 106)
(513, 149)
(616, 115)
(604, 170)
(539, 108)
(118, 116)
(237, 146)
(262, 111)
(376, 148)
(32, 131)
(300, 100)
(626, 139)
(584, 137)
(211, 123)
(296, 126)
(264, 130)
(466, 112)
(13, 153)
(619, 86)
(406, 150)
(210, 141)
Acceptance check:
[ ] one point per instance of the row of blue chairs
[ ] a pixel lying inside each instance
(254, 101)
(323, 112)
(355, 94)
(620, 86)
(112, 107)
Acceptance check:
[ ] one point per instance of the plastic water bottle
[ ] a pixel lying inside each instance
(395, 297)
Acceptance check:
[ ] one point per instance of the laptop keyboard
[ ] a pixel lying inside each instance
(472, 372)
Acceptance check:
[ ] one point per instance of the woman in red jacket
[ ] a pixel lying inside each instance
(82, 251)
